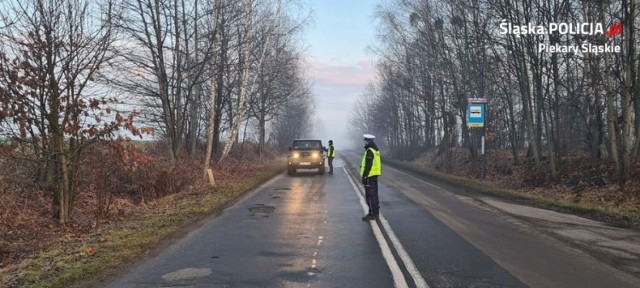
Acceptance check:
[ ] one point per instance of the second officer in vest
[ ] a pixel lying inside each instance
(331, 153)
(370, 169)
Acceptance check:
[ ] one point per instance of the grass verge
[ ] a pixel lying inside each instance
(97, 255)
(623, 215)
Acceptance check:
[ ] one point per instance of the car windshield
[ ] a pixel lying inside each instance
(306, 144)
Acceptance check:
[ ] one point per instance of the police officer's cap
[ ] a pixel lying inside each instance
(369, 137)
(330, 141)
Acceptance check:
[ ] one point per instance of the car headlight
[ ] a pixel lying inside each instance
(296, 155)
(314, 155)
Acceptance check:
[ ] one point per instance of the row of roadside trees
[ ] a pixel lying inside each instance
(437, 54)
(196, 73)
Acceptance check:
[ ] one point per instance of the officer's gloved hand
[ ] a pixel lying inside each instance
(365, 181)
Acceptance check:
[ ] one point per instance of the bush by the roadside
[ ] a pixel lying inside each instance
(115, 182)
(99, 253)
(582, 185)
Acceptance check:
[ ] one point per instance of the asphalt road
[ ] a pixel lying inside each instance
(305, 231)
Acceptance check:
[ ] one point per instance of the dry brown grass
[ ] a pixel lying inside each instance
(125, 206)
(583, 186)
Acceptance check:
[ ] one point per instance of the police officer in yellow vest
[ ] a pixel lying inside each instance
(370, 169)
(331, 153)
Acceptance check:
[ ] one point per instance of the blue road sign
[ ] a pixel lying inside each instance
(475, 115)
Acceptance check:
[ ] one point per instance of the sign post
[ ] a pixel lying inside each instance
(476, 112)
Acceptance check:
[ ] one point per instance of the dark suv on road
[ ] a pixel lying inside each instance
(306, 154)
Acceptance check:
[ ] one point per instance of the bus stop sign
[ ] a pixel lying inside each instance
(475, 115)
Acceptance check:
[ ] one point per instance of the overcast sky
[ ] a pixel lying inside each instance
(339, 61)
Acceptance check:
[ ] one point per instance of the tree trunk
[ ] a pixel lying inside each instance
(262, 127)
(612, 114)
(513, 135)
(212, 93)
(245, 88)
(526, 110)
(246, 84)
(628, 7)
(636, 152)
(636, 100)
(219, 89)
(552, 113)
(195, 108)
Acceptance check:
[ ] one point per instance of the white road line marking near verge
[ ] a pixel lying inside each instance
(398, 277)
(404, 256)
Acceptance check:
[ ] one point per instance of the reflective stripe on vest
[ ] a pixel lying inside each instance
(376, 168)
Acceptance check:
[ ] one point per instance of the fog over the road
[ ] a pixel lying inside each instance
(339, 64)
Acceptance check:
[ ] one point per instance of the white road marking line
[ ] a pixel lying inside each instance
(398, 277)
(406, 259)
(404, 256)
(314, 260)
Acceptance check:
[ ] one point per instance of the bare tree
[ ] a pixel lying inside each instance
(248, 81)
(295, 120)
(436, 54)
(278, 79)
(213, 92)
(629, 63)
(54, 52)
(244, 83)
(157, 64)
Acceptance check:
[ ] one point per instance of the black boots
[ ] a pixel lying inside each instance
(370, 217)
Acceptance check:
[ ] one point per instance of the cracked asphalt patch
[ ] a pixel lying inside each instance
(187, 273)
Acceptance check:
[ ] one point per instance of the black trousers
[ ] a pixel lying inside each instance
(371, 195)
(330, 165)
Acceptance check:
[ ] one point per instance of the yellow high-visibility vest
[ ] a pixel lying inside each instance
(376, 168)
(332, 152)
